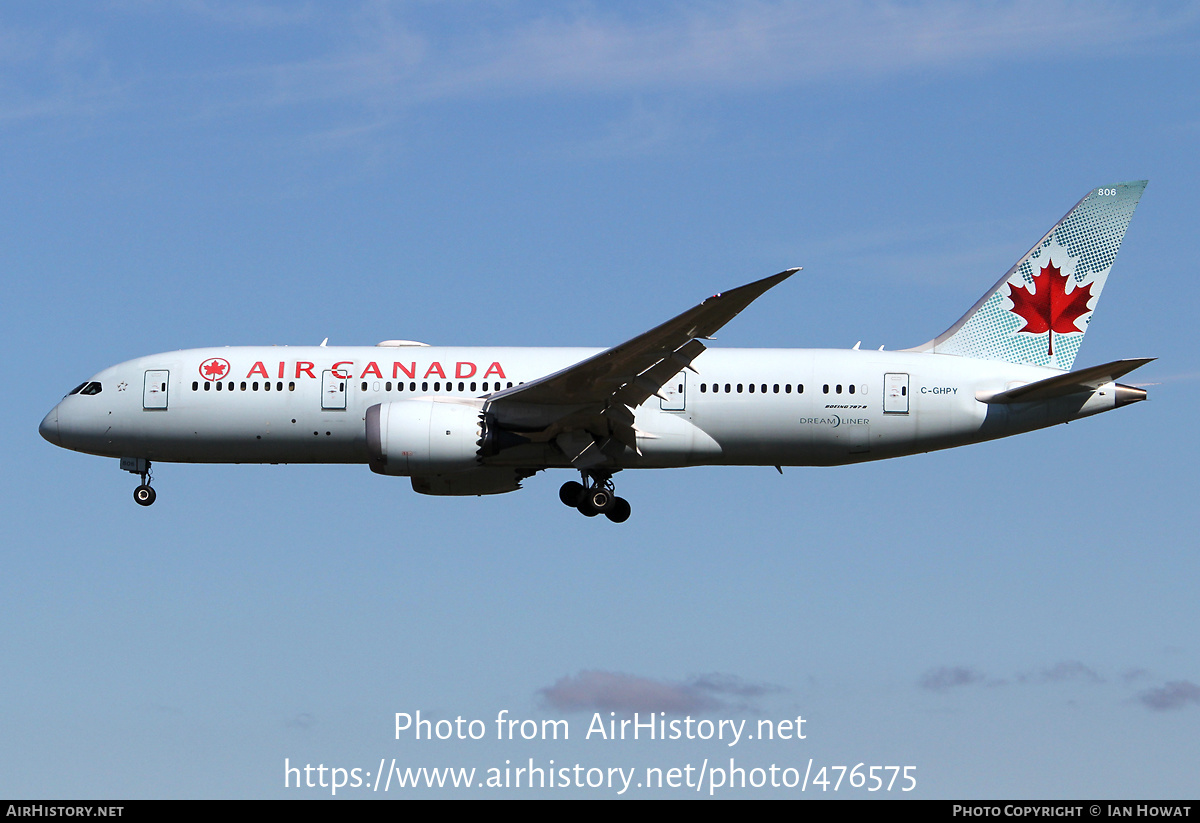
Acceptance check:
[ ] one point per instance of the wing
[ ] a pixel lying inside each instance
(587, 409)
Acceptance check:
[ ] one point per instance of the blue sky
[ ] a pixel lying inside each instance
(1013, 619)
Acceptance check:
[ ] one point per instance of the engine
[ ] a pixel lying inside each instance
(438, 445)
(412, 437)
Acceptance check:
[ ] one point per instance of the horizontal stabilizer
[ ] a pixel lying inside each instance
(1061, 385)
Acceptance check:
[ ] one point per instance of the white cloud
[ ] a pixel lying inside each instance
(1062, 672)
(735, 46)
(394, 55)
(1174, 695)
(380, 59)
(949, 677)
(593, 690)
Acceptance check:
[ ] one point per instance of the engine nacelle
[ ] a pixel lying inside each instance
(423, 437)
(478, 481)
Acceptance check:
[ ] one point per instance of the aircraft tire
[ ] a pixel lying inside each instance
(585, 508)
(571, 493)
(600, 500)
(620, 510)
(143, 495)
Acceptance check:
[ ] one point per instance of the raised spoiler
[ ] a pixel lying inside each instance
(1084, 380)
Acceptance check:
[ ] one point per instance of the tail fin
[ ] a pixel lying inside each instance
(1040, 309)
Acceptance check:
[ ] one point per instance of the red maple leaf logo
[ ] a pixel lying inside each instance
(212, 369)
(1049, 308)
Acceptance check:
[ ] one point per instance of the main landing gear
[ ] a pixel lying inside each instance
(594, 496)
(143, 495)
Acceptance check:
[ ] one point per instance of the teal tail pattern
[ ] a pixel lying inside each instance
(1039, 311)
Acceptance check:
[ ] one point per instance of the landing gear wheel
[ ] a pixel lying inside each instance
(600, 500)
(595, 495)
(143, 495)
(620, 510)
(571, 493)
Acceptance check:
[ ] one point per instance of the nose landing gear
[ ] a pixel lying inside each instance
(143, 495)
(596, 495)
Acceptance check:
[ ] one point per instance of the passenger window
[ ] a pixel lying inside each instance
(254, 386)
(266, 385)
(291, 386)
(777, 388)
(195, 385)
(425, 386)
(825, 388)
(243, 385)
(220, 385)
(207, 386)
(787, 389)
(388, 385)
(852, 388)
(839, 388)
(752, 388)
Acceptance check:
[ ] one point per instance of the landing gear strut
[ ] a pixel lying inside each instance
(594, 496)
(143, 495)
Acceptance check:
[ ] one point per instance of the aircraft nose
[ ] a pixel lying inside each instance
(49, 427)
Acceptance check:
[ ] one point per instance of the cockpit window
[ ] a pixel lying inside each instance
(77, 389)
(91, 387)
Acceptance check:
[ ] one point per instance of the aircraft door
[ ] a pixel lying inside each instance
(154, 392)
(674, 393)
(333, 391)
(895, 394)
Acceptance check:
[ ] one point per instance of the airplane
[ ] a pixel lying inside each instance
(476, 421)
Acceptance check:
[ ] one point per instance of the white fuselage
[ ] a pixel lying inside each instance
(777, 407)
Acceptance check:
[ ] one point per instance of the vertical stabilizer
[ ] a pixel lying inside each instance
(1040, 309)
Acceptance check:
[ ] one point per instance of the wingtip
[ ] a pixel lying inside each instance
(779, 278)
(776, 279)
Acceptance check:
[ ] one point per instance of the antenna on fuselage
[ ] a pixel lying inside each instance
(323, 342)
